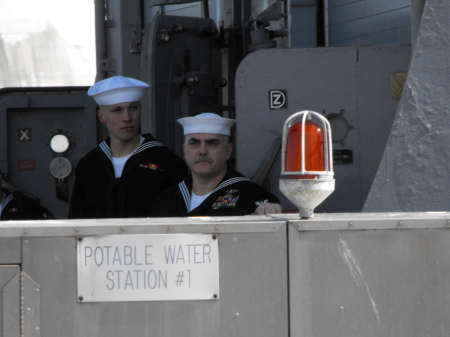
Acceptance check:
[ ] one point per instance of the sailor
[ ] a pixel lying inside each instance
(123, 174)
(15, 205)
(212, 188)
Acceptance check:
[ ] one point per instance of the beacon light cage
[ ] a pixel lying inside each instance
(301, 118)
(306, 161)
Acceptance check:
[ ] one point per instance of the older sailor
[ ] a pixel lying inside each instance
(212, 188)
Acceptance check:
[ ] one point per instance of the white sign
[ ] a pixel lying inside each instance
(148, 268)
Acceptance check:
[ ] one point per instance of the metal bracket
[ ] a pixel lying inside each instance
(31, 306)
(21, 307)
(136, 41)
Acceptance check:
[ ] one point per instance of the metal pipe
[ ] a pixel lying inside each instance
(100, 37)
(205, 9)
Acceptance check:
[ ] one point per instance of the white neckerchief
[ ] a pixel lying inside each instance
(119, 163)
(196, 200)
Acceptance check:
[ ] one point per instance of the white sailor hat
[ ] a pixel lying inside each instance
(117, 89)
(207, 122)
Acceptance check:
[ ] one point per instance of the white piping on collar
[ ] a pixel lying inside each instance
(187, 194)
(144, 146)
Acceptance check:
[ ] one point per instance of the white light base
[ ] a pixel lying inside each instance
(306, 194)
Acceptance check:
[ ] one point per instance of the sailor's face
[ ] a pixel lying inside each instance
(123, 120)
(206, 154)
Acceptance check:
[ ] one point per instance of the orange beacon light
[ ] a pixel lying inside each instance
(307, 166)
(313, 138)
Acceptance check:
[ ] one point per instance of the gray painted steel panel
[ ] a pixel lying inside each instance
(414, 172)
(303, 27)
(192, 10)
(91, 227)
(10, 301)
(51, 263)
(253, 281)
(353, 10)
(373, 25)
(342, 274)
(115, 58)
(218, 10)
(368, 22)
(31, 306)
(45, 113)
(10, 250)
(353, 80)
(368, 221)
(379, 282)
(190, 55)
(401, 36)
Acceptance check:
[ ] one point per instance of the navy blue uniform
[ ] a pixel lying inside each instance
(235, 195)
(151, 169)
(17, 206)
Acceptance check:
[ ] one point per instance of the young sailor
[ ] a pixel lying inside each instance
(122, 176)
